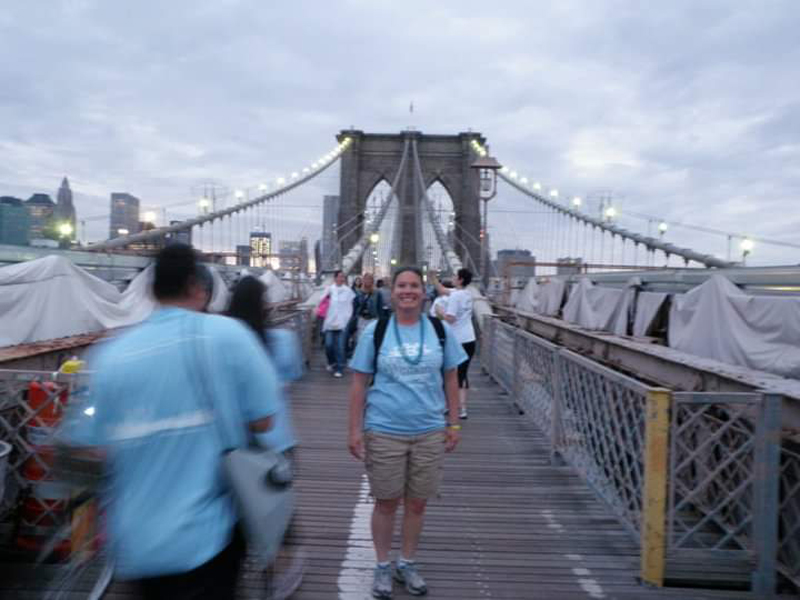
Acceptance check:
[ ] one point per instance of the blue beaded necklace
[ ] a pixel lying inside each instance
(416, 360)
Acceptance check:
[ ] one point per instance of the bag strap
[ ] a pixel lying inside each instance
(197, 346)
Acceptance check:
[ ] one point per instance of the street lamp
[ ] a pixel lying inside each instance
(150, 217)
(611, 212)
(747, 248)
(662, 228)
(576, 202)
(487, 168)
(374, 238)
(123, 231)
(204, 204)
(65, 229)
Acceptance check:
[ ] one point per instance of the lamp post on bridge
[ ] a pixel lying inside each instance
(747, 248)
(487, 168)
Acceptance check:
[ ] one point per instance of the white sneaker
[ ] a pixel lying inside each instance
(462, 414)
(329, 368)
(338, 375)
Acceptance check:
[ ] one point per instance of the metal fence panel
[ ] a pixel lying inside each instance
(603, 421)
(789, 512)
(713, 447)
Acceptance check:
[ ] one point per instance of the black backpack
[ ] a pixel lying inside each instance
(380, 333)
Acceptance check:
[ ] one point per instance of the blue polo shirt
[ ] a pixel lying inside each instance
(406, 399)
(169, 510)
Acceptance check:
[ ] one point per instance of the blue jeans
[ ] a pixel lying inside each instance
(334, 348)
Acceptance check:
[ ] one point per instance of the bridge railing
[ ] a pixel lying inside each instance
(688, 475)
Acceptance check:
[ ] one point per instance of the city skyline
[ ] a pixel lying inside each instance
(683, 114)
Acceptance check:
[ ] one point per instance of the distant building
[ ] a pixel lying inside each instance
(329, 247)
(516, 263)
(294, 256)
(65, 209)
(317, 257)
(124, 215)
(15, 221)
(41, 210)
(243, 256)
(261, 249)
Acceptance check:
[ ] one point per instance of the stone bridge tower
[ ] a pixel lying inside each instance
(375, 157)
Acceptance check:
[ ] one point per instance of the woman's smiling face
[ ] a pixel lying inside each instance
(407, 291)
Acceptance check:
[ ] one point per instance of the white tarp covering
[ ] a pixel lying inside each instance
(51, 298)
(718, 320)
(220, 296)
(527, 300)
(276, 290)
(550, 297)
(647, 306)
(542, 298)
(595, 307)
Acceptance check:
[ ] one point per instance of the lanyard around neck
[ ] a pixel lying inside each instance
(416, 360)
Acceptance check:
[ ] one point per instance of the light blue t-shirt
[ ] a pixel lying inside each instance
(169, 510)
(284, 349)
(406, 399)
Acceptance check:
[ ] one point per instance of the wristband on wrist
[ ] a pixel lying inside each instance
(454, 427)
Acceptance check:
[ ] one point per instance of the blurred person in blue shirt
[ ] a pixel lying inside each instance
(282, 346)
(171, 520)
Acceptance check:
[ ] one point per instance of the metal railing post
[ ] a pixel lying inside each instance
(516, 381)
(493, 351)
(766, 488)
(556, 411)
(654, 500)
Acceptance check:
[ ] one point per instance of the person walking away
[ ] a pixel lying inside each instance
(396, 425)
(334, 327)
(248, 304)
(171, 523)
(459, 314)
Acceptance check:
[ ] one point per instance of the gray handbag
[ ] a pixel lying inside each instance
(260, 482)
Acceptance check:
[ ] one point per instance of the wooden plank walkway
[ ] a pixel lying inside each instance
(508, 525)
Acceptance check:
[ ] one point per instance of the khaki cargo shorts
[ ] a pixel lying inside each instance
(404, 466)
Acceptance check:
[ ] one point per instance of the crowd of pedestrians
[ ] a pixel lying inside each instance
(172, 528)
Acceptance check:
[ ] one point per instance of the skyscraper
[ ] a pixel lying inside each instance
(124, 214)
(65, 209)
(329, 245)
(260, 249)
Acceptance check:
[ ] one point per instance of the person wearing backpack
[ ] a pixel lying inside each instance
(403, 368)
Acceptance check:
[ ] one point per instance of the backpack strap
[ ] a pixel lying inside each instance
(377, 340)
(439, 327)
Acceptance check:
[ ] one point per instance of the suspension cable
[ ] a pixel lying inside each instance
(296, 181)
(453, 262)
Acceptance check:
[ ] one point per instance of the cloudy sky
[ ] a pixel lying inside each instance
(685, 111)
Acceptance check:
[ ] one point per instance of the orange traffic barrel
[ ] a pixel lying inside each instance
(44, 505)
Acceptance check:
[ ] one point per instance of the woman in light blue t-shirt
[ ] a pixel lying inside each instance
(397, 423)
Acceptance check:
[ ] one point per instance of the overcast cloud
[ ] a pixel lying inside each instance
(688, 111)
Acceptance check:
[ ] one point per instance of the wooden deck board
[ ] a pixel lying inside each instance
(508, 525)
